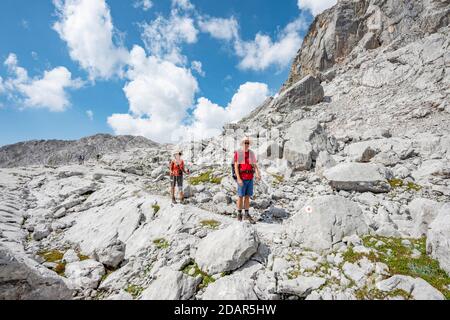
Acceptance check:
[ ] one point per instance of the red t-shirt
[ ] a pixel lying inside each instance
(245, 164)
(175, 169)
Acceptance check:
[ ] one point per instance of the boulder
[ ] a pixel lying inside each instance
(360, 177)
(438, 241)
(324, 222)
(113, 255)
(324, 161)
(85, 274)
(41, 232)
(24, 279)
(301, 286)
(231, 288)
(306, 92)
(70, 256)
(418, 288)
(423, 212)
(171, 285)
(227, 249)
(305, 139)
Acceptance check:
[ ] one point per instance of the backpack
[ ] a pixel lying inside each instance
(240, 156)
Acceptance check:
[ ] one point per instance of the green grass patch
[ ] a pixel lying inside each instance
(206, 177)
(210, 224)
(54, 256)
(279, 179)
(352, 257)
(83, 257)
(399, 260)
(396, 183)
(156, 208)
(375, 294)
(413, 187)
(51, 255)
(134, 290)
(161, 243)
(410, 186)
(206, 278)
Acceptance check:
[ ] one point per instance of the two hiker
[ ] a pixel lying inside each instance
(245, 168)
(177, 170)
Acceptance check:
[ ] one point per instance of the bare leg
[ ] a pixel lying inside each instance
(181, 196)
(240, 203)
(247, 203)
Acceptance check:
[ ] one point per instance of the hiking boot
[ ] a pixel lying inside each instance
(250, 219)
(174, 201)
(239, 217)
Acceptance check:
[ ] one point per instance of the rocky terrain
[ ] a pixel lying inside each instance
(354, 201)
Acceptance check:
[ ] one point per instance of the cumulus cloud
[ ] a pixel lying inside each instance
(316, 6)
(209, 118)
(163, 37)
(86, 26)
(47, 92)
(159, 93)
(143, 4)
(220, 28)
(263, 52)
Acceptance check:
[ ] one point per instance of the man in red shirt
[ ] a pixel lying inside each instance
(245, 167)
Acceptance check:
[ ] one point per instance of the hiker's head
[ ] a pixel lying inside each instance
(178, 155)
(246, 142)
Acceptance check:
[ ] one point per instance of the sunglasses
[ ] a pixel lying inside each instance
(247, 143)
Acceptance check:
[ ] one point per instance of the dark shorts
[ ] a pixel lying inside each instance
(246, 190)
(177, 182)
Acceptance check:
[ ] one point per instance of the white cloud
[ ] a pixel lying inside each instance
(90, 115)
(197, 66)
(209, 118)
(220, 28)
(143, 4)
(2, 86)
(183, 5)
(159, 94)
(164, 36)
(48, 92)
(316, 6)
(86, 26)
(263, 52)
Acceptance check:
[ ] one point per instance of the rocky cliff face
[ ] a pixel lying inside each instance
(337, 35)
(353, 202)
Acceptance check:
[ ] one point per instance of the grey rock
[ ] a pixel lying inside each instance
(84, 274)
(23, 279)
(438, 241)
(231, 288)
(306, 92)
(301, 286)
(360, 177)
(324, 222)
(418, 288)
(171, 285)
(227, 249)
(423, 212)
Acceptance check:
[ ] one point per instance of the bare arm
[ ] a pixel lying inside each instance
(236, 170)
(258, 173)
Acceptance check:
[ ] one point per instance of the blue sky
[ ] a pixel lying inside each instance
(73, 68)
